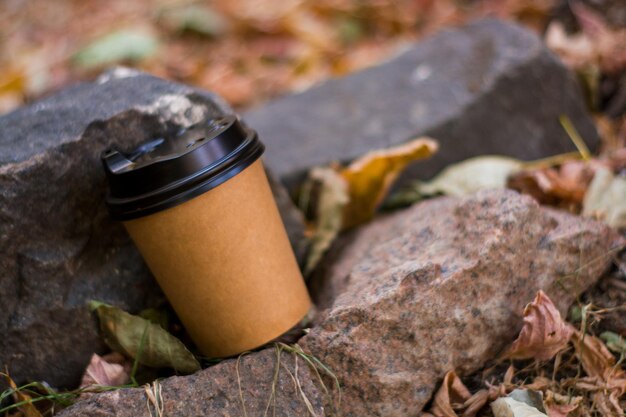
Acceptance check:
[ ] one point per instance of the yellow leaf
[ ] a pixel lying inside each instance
(370, 177)
(346, 197)
(12, 81)
(27, 408)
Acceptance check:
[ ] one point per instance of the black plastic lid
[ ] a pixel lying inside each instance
(167, 171)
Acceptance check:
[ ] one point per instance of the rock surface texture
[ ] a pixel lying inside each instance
(59, 248)
(215, 392)
(442, 286)
(486, 88)
(435, 287)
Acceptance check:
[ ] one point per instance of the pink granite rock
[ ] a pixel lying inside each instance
(215, 392)
(442, 286)
(435, 287)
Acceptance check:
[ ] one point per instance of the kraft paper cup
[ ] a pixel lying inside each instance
(199, 208)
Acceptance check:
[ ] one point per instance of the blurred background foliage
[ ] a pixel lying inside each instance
(245, 50)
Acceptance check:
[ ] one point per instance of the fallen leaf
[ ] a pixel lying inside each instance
(345, 197)
(609, 45)
(544, 332)
(28, 409)
(477, 401)
(123, 45)
(370, 177)
(595, 358)
(614, 342)
(106, 371)
(331, 199)
(540, 383)
(471, 175)
(194, 18)
(575, 50)
(596, 46)
(452, 394)
(607, 380)
(156, 316)
(509, 407)
(606, 198)
(558, 405)
(142, 340)
(563, 187)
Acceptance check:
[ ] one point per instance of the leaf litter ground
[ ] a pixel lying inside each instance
(577, 372)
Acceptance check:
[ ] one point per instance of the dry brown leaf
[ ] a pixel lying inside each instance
(563, 187)
(453, 399)
(480, 399)
(370, 177)
(452, 394)
(28, 409)
(597, 46)
(540, 383)
(595, 357)
(109, 370)
(544, 332)
(558, 405)
(609, 45)
(606, 379)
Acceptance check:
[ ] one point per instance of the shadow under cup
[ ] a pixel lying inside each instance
(200, 209)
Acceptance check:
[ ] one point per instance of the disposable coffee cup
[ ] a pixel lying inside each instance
(199, 207)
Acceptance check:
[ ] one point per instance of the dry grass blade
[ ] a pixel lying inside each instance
(243, 404)
(24, 402)
(154, 398)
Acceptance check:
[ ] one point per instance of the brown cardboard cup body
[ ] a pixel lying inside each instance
(224, 261)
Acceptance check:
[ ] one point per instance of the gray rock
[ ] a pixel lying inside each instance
(436, 287)
(486, 88)
(442, 286)
(59, 249)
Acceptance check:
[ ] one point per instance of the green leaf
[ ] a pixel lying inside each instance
(194, 18)
(142, 340)
(156, 316)
(350, 30)
(606, 198)
(123, 45)
(471, 175)
(575, 314)
(614, 342)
